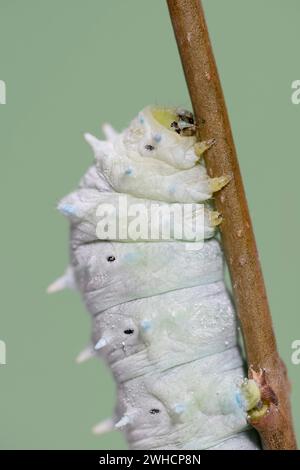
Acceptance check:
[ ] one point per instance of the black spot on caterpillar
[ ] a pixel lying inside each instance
(183, 363)
(149, 147)
(154, 411)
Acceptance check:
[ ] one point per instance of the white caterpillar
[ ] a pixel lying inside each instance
(162, 317)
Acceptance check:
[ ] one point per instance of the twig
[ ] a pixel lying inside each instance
(275, 428)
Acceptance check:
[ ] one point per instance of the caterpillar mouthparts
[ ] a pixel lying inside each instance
(145, 260)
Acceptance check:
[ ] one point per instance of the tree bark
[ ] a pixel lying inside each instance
(275, 428)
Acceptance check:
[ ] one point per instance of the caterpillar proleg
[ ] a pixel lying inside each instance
(162, 317)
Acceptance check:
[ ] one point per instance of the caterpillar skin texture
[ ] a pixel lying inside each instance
(162, 317)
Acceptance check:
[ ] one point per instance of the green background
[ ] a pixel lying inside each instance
(69, 65)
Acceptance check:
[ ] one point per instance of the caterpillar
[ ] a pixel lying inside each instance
(162, 317)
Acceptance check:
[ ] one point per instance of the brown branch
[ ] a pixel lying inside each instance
(275, 428)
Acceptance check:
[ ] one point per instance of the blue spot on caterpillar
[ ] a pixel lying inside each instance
(240, 399)
(146, 325)
(68, 209)
(157, 137)
(131, 257)
(172, 189)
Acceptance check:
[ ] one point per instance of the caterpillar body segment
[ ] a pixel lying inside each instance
(85, 207)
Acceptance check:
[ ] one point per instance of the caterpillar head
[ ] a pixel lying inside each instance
(167, 134)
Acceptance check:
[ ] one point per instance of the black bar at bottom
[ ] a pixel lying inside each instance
(134, 459)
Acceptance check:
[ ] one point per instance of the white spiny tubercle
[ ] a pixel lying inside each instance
(103, 427)
(56, 286)
(101, 343)
(66, 281)
(92, 140)
(86, 354)
(124, 421)
(100, 148)
(109, 132)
